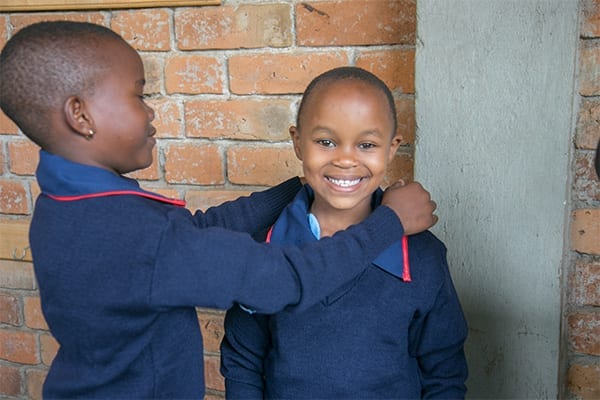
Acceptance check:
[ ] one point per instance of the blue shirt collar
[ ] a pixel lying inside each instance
(297, 225)
(66, 180)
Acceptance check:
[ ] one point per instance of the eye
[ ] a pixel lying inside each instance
(325, 142)
(367, 146)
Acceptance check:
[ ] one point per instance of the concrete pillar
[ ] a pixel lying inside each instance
(494, 105)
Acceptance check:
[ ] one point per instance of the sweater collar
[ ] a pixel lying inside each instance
(293, 228)
(65, 180)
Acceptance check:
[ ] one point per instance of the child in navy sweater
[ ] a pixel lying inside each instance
(121, 269)
(394, 332)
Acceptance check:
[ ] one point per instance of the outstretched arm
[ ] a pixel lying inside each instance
(252, 214)
(214, 267)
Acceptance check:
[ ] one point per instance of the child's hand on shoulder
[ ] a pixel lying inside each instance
(413, 205)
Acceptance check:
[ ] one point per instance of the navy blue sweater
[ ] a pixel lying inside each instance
(376, 337)
(120, 271)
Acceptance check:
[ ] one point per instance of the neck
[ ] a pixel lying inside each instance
(332, 220)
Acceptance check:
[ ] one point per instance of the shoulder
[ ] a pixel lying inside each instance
(428, 255)
(426, 243)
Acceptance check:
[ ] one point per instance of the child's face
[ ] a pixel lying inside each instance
(123, 138)
(346, 143)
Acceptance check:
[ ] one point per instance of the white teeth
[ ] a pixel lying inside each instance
(344, 183)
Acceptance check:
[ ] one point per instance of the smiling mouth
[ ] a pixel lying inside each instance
(345, 183)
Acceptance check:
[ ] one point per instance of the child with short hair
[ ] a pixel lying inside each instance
(121, 269)
(394, 332)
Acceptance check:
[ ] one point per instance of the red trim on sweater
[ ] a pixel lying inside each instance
(406, 270)
(175, 202)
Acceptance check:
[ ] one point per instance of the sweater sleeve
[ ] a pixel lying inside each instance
(438, 343)
(214, 267)
(253, 214)
(243, 350)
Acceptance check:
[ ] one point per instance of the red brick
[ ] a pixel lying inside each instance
(24, 157)
(10, 311)
(35, 382)
(584, 283)
(18, 347)
(280, 73)
(583, 381)
(48, 348)
(356, 22)
(229, 27)
(3, 36)
(590, 21)
(586, 183)
(401, 167)
(584, 332)
(153, 72)
(7, 127)
(13, 197)
(10, 381)
(395, 67)
(265, 166)
(585, 231)
(33, 313)
(405, 110)
(193, 74)
(16, 275)
(589, 71)
(168, 118)
(239, 119)
(211, 324)
(170, 193)
(19, 21)
(202, 200)
(194, 164)
(588, 125)
(213, 378)
(146, 29)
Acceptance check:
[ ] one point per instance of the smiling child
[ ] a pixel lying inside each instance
(395, 331)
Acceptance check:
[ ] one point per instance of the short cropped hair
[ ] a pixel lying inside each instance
(348, 73)
(45, 63)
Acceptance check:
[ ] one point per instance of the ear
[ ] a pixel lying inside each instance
(396, 140)
(78, 118)
(295, 135)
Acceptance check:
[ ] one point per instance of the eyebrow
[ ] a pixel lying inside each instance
(321, 128)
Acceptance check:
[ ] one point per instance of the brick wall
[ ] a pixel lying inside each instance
(582, 311)
(226, 82)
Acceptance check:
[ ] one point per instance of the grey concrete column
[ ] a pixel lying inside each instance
(494, 105)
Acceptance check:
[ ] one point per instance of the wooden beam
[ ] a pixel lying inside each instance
(55, 5)
(14, 240)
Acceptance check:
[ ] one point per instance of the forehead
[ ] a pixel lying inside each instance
(120, 56)
(347, 93)
(344, 88)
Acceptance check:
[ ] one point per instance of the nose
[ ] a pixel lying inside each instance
(345, 157)
(150, 111)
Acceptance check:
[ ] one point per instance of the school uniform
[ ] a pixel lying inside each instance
(394, 332)
(120, 271)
